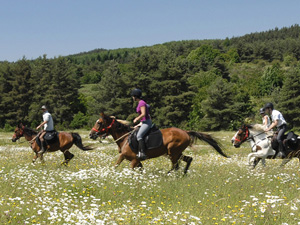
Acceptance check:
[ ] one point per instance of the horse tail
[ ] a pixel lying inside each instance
(208, 139)
(78, 142)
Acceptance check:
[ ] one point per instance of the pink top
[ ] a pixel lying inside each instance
(138, 110)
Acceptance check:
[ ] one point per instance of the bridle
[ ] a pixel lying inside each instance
(246, 135)
(21, 132)
(106, 129)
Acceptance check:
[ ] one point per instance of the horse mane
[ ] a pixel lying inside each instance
(30, 131)
(122, 124)
(257, 127)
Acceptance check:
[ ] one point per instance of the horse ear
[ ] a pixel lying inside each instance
(20, 125)
(102, 114)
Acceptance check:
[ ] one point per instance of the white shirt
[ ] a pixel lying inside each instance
(49, 125)
(268, 120)
(276, 115)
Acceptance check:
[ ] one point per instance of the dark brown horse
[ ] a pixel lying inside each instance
(175, 141)
(64, 142)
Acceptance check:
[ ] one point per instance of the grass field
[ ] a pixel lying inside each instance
(91, 191)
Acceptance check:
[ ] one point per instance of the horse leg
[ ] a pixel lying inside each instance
(188, 161)
(135, 163)
(175, 166)
(285, 161)
(255, 162)
(120, 159)
(251, 158)
(34, 158)
(68, 156)
(263, 161)
(175, 162)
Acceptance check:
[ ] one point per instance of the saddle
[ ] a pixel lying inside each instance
(153, 139)
(290, 141)
(50, 137)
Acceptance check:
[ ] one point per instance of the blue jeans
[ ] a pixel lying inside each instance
(146, 125)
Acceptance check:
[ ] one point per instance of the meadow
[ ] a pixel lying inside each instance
(90, 190)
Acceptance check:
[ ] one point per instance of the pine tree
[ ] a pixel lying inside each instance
(62, 95)
(40, 80)
(290, 97)
(6, 77)
(19, 97)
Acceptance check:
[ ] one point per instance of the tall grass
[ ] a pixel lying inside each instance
(91, 191)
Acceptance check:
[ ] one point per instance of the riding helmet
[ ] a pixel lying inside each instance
(269, 105)
(262, 110)
(136, 93)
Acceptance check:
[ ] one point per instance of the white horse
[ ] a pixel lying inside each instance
(260, 142)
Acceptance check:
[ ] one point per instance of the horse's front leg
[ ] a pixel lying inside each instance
(120, 159)
(35, 158)
(136, 163)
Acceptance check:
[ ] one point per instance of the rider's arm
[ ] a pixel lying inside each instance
(143, 114)
(274, 124)
(43, 123)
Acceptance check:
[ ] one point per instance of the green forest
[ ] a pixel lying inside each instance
(203, 85)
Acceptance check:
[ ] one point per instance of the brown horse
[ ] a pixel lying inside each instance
(64, 142)
(175, 141)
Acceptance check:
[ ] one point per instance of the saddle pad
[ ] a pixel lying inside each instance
(49, 137)
(153, 139)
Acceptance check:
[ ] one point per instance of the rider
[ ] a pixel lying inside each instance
(279, 122)
(48, 126)
(145, 121)
(265, 118)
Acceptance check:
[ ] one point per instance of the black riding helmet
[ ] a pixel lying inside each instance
(262, 110)
(136, 93)
(269, 105)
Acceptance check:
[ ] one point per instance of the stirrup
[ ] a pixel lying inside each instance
(42, 151)
(141, 156)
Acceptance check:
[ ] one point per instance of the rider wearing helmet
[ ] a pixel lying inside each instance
(265, 118)
(48, 126)
(279, 122)
(145, 121)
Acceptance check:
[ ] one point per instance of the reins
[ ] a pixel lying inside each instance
(125, 135)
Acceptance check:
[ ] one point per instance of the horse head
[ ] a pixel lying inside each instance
(19, 131)
(102, 126)
(241, 136)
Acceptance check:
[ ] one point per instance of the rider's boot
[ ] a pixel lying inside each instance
(142, 147)
(43, 149)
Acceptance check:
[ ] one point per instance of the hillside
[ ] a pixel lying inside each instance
(195, 84)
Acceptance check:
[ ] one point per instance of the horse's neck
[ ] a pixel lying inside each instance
(257, 135)
(118, 135)
(29, 137)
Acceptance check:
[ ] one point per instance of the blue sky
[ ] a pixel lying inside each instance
(32, 28)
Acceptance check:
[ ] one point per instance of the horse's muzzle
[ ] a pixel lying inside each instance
(93, 136)
(237, 145)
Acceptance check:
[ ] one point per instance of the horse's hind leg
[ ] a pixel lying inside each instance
(285, 161)
(188, 161)
(68, 156)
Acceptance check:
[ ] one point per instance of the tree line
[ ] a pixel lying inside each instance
(198, 84)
